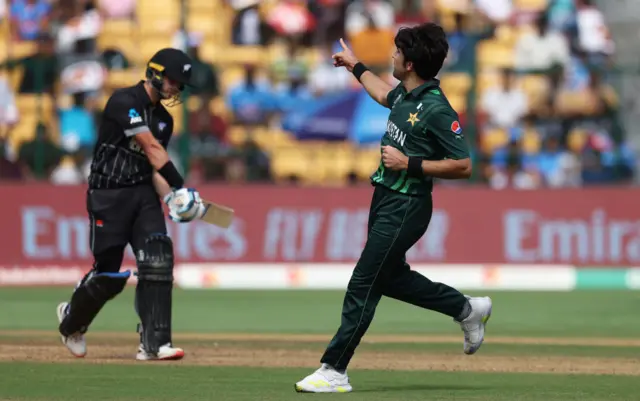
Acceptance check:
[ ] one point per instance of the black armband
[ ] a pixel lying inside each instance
(358, 70)
(171, 174)
(414, 167)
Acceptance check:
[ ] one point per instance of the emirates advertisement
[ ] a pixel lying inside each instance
(45, 225)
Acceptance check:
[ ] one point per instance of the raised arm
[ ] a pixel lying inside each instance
(375, 86)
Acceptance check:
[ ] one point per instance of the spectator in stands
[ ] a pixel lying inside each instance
(462, 45)
(291, 66)
(77, 21)
(562, 15)
(359, 11)
(324, 78)
(69, 171)
(622, 158)
(292, 19)
(235, 170)
(78, 126)
(515, 148)
(255, 162)
(587, 95)
(248, 28)
(115, 59)
(208, 144)
(513, 176)
(602, 96)
(82, 70)
(616, 157)
(594, 37)
(39, 156)
(330, 19)
(577, 75)
(8, 169)
(496, 11)
(39, 69)
(29, 18)
(505, 105)
(541, 50)
(3, 10)
(558, 167)
(9, 114)
(117, 9)
(207, 131)
(204, 77)
(374, 46)
(483, 169)
(292, 94)
(251, 101)
(593, 171)
(410, 14)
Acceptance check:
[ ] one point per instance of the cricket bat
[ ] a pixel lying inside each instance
(218, 215)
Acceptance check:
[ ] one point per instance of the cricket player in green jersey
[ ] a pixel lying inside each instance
(423, 141)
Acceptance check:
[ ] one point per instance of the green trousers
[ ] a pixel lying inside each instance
(396, 222)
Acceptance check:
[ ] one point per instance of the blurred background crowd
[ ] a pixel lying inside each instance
(532, 80)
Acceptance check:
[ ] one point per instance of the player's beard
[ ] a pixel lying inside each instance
(399, 71)
(399, 74)
(169, 100)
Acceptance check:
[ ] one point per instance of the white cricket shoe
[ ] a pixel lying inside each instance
(473, 326)
(166, 352)
(324, 380)
(75, 343)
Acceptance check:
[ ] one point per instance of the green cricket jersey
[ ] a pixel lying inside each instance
(421, 123)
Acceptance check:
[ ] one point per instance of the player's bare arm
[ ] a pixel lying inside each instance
(161, 185)
(156, 154)
(375, 86)
(166, 177)
(451, 169)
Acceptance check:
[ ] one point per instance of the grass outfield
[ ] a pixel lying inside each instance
(244, 345)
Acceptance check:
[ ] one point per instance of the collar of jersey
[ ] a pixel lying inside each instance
(143, 93)
(430, 84)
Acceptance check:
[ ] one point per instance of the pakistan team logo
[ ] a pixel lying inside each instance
(413, 118)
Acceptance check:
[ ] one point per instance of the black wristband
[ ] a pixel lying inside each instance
(358, 70)
(171, 174)
(414, 167)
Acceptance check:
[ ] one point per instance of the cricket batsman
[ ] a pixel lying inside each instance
(130, 172)
(423, 141)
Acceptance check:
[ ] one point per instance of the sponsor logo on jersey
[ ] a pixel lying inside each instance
(135, 146)
(134, 116)
(396, 133)
(456, 128)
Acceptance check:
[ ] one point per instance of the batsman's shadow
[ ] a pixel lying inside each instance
(421, 387)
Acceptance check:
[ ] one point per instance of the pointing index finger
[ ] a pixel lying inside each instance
(344, 46)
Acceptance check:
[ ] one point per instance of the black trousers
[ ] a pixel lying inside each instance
(119, 217)
(396, 223)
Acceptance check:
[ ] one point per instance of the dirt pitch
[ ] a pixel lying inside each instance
(227, 350)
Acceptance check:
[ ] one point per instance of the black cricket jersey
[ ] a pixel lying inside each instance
(118, 160)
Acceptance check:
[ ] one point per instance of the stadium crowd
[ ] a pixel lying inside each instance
(529, 78)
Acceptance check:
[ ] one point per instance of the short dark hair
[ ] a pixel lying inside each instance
(425, 46)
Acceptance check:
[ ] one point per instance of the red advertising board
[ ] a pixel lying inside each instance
(45, 225)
